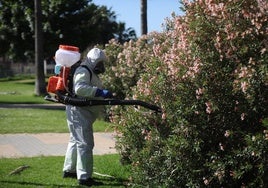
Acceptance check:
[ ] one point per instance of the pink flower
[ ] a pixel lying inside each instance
(206, 181)
(243, 116)
(244, 86)
(227, 133)
(209, 107)
(243, 73)
(164, 116)
(221, 146)
(199, 92)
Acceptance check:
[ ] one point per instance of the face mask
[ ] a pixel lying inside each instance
(99, 68)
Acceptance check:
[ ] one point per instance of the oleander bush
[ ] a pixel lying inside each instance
(208, 72)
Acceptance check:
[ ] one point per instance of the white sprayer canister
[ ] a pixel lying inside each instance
(67, 55)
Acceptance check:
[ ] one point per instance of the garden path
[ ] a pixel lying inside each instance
(47, 144)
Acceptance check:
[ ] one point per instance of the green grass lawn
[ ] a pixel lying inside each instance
(19, 120)
(19, 91)
(47, 172)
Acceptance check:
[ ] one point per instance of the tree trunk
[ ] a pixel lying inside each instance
(144, 27)
(40, 85)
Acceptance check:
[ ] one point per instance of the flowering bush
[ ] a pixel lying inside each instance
(208, 71)
(126, 63)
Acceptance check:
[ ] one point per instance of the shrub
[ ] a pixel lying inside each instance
(208, 71)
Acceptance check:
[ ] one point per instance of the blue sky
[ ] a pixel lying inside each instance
(128, 11)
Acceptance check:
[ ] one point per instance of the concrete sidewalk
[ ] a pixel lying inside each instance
(49, 144)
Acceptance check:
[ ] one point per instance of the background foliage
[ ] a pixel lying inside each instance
(80, 23)
(208, 71)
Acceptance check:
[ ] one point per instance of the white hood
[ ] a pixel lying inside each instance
(94, 56)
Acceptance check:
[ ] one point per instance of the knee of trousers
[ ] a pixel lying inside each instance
(85, 145)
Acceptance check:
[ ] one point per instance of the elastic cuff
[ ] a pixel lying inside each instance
(98, 93)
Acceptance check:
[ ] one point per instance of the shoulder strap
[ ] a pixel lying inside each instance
(70, 77)
(88, 71)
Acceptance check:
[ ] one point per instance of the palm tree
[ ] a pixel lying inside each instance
(40, 85)
(144, 27)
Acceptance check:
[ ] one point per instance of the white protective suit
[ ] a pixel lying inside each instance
(79, 155)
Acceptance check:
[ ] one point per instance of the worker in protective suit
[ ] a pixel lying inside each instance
(79, 156)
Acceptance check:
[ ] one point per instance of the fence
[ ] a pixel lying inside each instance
(10, 69)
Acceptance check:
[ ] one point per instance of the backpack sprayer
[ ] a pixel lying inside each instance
(65, 57)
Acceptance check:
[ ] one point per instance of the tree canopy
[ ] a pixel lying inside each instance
(80, 23)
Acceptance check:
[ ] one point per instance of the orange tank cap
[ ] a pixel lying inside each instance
(69, 48)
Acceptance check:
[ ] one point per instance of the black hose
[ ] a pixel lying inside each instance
(91, 102)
